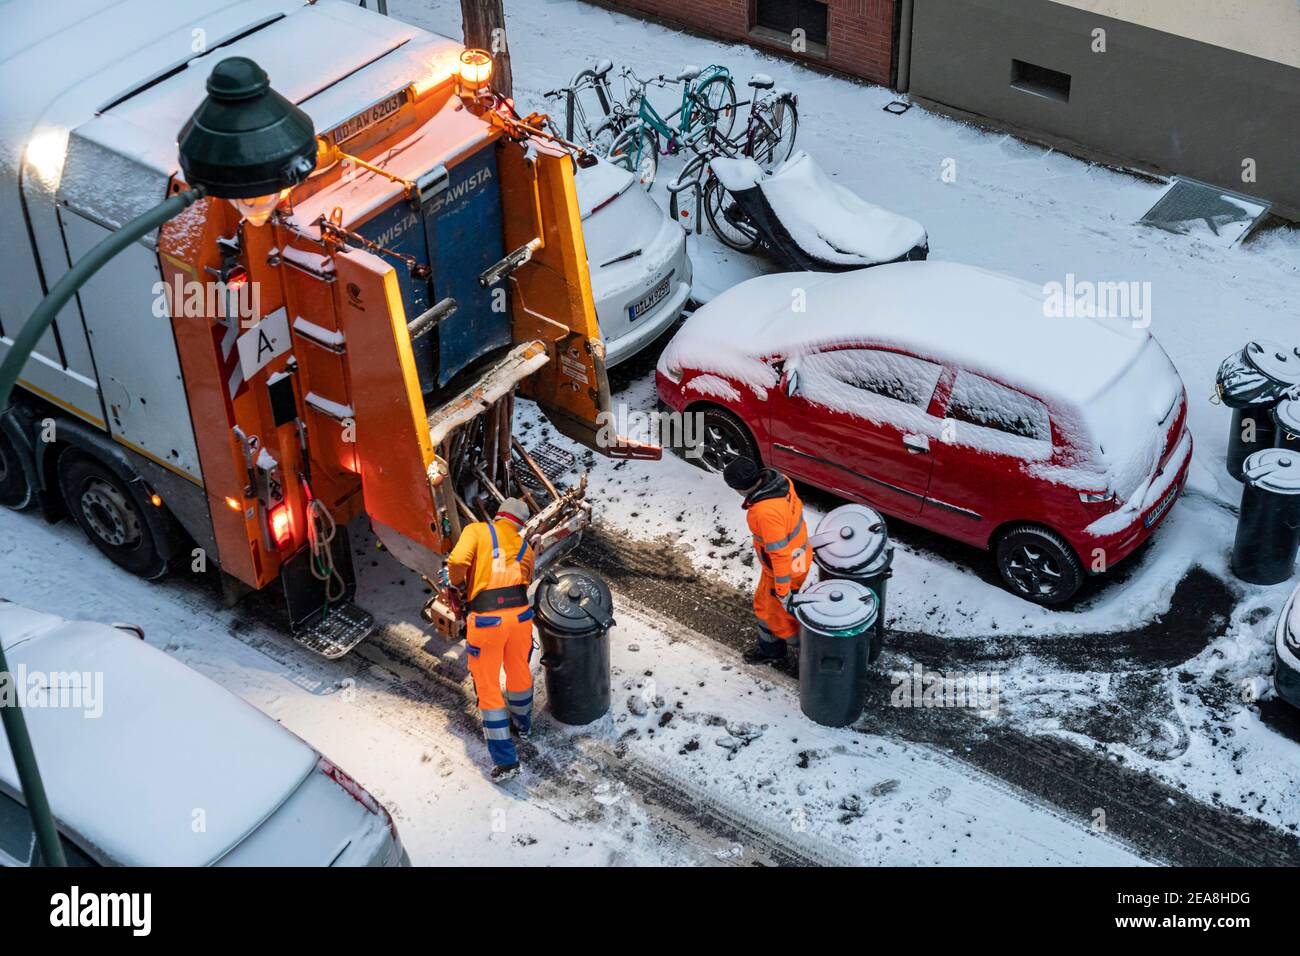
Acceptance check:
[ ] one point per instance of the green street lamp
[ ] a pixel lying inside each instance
(245, 143)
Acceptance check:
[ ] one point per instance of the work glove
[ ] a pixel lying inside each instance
(786, 601)
(444, 579)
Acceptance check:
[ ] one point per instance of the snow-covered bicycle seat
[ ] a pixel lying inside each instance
(688, 73)
(603, 67)
(761, 81)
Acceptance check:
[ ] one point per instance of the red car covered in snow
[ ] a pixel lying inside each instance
(948, 396)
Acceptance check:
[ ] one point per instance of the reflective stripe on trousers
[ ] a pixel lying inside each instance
(493, 641)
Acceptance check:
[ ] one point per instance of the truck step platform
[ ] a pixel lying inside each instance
(335, 630)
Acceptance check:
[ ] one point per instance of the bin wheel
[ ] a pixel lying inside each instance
(15, 490)
(110, 514)
(724, 438)
(1038, 565)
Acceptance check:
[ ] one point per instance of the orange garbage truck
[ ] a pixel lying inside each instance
(240, 387)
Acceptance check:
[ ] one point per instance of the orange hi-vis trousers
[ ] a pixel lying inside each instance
(774, 621)
(503, 638)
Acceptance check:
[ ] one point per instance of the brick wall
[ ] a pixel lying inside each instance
(860, 41)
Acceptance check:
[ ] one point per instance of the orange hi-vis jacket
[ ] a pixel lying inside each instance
(471, 559)
(775, 516)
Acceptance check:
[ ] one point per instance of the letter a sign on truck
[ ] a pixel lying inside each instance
(263, 342)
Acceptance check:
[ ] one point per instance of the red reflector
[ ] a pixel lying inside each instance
(354, 789)
(238, 276)
(281, 529)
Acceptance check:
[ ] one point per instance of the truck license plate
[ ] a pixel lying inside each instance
(649, 300)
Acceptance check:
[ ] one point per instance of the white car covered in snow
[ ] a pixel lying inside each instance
(640, 273)
(148, 763)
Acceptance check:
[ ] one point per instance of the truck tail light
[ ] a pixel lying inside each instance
(278, 519)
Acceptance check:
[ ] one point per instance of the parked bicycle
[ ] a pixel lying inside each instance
(726, 217)
(637, 128)
(588, 103)
(772, 125)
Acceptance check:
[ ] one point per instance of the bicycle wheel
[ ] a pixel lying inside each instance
(636, 149)
(727, 217)
(603, 139)
(718, 93)
(773, 140)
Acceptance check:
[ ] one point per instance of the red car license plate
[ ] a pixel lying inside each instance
(1161, 508)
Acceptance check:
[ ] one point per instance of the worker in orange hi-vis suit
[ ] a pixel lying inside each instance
(775, 516)
(496, 563)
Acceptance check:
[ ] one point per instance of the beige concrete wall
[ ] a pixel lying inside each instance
(1265, 28)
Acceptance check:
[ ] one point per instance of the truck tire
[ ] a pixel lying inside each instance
(111, 514)
(15, 489)
(725, 439)
(1038, 565)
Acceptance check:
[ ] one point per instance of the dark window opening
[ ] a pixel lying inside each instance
(785, 16)
(1040, 81)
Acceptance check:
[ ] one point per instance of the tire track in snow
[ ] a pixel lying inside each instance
(1160, 821)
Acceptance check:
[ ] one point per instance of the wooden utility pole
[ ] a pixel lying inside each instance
(485, 29)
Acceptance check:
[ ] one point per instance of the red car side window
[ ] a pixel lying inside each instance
(880, 374)
(978, 401)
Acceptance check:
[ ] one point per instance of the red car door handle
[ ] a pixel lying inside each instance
(916, 444)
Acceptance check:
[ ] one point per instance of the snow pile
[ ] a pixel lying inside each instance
(828, 222)
(714, 386)
(1147, 494)
(827, 379)
(599, 184)
(834, 223)
(989, 323)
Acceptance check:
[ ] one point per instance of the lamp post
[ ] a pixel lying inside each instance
(245, 143)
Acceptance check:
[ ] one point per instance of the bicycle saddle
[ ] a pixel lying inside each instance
(761, 81)
(688, 73)
(603, 67)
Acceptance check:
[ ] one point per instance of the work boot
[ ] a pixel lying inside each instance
(519, 732)
(770, 653)
(506, 771)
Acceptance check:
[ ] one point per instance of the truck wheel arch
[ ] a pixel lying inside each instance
(75, 436)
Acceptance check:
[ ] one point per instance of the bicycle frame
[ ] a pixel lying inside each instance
(685, 118)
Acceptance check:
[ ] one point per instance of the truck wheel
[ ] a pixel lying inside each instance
(110, 514)
(724, 438)
(15, 490)
(1038, 565)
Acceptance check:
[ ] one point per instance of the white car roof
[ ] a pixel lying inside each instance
(973, 318)
(169, 748)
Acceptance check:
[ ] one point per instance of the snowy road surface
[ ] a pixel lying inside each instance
(991, 200)
(701, 761)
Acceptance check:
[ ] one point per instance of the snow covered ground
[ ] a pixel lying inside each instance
(991, 200)
(687, 719)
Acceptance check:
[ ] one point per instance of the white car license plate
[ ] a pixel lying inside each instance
(1161, 508)
(648, 301)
